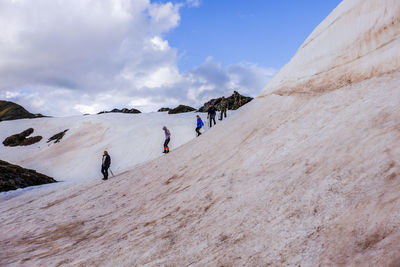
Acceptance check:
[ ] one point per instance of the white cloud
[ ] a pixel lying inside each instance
(159, 44)
(164, 16)
(84, 56)
(193, 3)
(87, 109)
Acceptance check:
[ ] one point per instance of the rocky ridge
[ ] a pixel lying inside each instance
(230, 100)
(124, 110)
(13, 111)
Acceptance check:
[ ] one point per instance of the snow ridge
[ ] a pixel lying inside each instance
(357, 41)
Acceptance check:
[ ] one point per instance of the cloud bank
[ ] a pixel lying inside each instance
(83, 56)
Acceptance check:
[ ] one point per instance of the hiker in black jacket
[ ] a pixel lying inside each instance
(105, 164)
(212, 111)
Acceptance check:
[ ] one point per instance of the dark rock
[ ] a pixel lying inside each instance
(12, 111)
(163, 109)
(57, 137)
(181, 109)
(124, 110)
(230, 100)
(13, 177)
(21, 139)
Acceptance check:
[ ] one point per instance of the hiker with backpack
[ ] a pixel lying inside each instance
(167, 139)
(105, 164)
(223, 107)
(212, 111)
(199, 125)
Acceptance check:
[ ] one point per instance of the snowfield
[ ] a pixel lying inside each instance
(129, 138)
(307, 174)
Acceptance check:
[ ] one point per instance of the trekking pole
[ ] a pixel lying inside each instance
(112, 172)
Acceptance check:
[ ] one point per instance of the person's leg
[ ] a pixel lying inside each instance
(214, 120)
(102, 172)
(166, 144)
(106, 173)
(198, 131)
(225, 112)
(210, 119)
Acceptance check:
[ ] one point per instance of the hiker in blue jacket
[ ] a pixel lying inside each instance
(199, 125)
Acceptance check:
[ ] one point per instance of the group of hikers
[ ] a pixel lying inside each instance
(223, 107)
(212, 112)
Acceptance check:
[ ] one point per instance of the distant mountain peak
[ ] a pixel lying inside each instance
(12, 111)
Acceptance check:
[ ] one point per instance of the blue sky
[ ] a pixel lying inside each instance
(71, 57)
(266, 32)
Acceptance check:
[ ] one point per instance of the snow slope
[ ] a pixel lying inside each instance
(300, 176)
(357, 41)
(130, 139)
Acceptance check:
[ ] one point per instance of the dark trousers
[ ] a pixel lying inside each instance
(104, 171)
(223, 112)
(166, 148)
(212, 118)
(198, 131)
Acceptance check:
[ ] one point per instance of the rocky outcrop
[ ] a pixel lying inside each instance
(13, 177)
(163, 109)
(12, 111)
(57, 137)
(124, 110)
(181, 109)
(230, 100)
(22, 139)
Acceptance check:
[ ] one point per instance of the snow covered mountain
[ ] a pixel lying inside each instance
(130, 139)
(306, 174)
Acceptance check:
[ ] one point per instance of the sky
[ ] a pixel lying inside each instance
(63, 58)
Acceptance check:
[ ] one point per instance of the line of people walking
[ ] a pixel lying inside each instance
(212, 111)
(211, 114)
